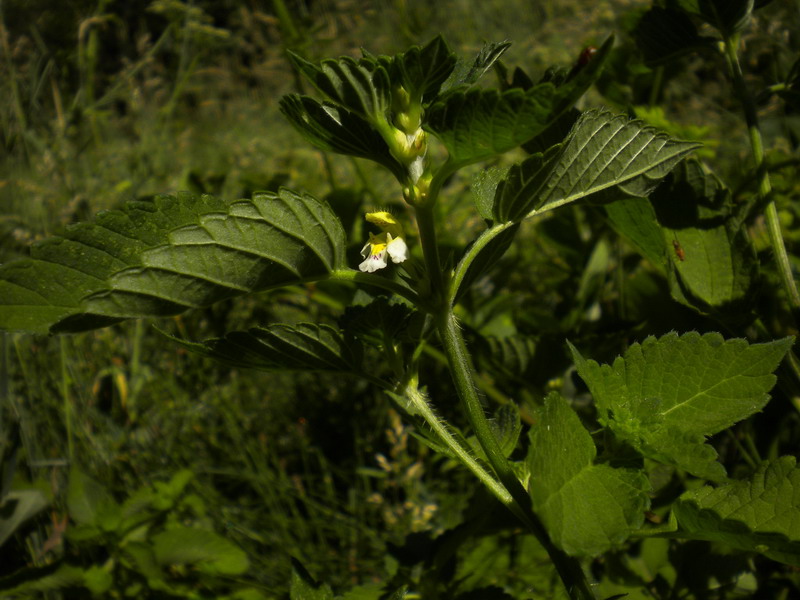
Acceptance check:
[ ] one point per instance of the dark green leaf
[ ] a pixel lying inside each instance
(336, 129)
(424, 70)
(587, 508)
(606, 157)
(665, 395)
(636, 219)
(163, 257)
(729, 16)
(90, 503)
(361, 87)
(17, 507)
(663, 35)
(478, 124)
(305, 346)
(467, 73)
(57, 576)
(495, 247)
(760, 514)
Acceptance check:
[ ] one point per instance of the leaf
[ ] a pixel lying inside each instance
(760, 514)
(380, 320)
(305, 346)
(304, 587)
(17, 507)
(90, 503)
(636, 219)
(57, 576)
(203, 549)
(729, 16)
(491, 245)
(336, 129)
(478, 124)
(667, 394)
(160, 258)
(424, 70)
(587, 508)
(663, 35)
(468, 73)
(712, 266)
(361, 87)
(606, 157)
(483, 188)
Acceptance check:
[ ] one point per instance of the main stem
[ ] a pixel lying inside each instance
(461, 371)
(764, 185)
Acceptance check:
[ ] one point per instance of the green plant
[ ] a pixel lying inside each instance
(578, 494)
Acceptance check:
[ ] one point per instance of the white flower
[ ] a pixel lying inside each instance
(376, 249)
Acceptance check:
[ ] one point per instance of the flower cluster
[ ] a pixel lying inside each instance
(390, 241)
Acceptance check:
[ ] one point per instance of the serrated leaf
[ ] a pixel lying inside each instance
(467, 73)
(665, 395)
(335, 129)
(508, 355)
(606, 157)
(305, 346)
(163, 257)
(304, 587)
(379, 320)
(729, 16)
(424, 70)
(760, 514)
(663, 35)
(362, 87)
(478, 124)
(587, 508)
(483, 188)
(205, 550)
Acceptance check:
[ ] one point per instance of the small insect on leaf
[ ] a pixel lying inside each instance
(679, 252)
(585, 56)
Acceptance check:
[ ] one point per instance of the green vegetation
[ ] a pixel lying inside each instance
(554, 360)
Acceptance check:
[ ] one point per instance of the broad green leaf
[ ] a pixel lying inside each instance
(17, 507)
(90, 503)
(667, 394)
(305, 346)
(369, 591)
(380, 320)
(664, 35)
(304, 587)
(587, 508)
(335, 129)
(506, 426)
(163, 257)
(98, 580)
(729, 16)
(711, 263)
(760, 514)
(361, 87)
(203, 549)
(605, 157)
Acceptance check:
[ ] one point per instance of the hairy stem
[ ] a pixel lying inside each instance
(568, 568)
(764, 185)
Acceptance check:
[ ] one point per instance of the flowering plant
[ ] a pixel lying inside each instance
(579, 494)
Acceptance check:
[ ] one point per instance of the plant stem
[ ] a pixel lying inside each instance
(568, 568)
(764, 185)
(420, 404)
(65, 397)
(430, 250)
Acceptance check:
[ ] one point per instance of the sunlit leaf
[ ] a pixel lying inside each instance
(587, 508)
(665, 395)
